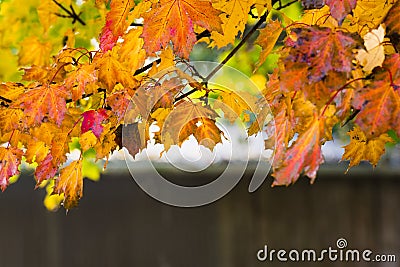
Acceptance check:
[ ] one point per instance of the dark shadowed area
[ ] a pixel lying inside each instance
(117, 224)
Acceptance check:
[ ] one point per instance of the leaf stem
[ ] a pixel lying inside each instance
(9, 140)
(337, 92)
(71, 14)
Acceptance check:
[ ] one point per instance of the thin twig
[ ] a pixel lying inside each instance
(71, 14)
(228, 57)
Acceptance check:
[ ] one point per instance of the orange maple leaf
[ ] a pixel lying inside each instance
(116, 23)
(46, 100)
(182, 122)
(304, 155)
(174, 20)
(379, 101)
(70, 182)
(208, 134)
(267, 40)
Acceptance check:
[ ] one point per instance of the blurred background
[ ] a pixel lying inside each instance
(117, 224)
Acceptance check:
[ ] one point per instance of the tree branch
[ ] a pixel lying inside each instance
(71, 14)
(148, 66)
(228, 57)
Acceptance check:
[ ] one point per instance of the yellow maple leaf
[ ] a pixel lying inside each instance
(87, 140)
(106, 142)
(131, 52)
(234, 104)
(118, 15)
(34, 52)
(70, 182)
(361, 148)
(375, 53)
(320, 17)
(367, 15)
(36, 151)
(47, 16)
(112, 71)
(233, 19)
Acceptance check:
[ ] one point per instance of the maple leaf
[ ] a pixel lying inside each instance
(45, 170)
(181, 122)
(42, 101)
(379, 101)
(320, 17)
(11, 91)
(87, 140)
(131, 51)
(281, 137)
(174, 20)
(10, 119)
(323, 50)
(361, 148)
(10, 159)
(35, 73)
(111, 71)
(34, 52)
(92, 120)
(46, 14)
(392, 22)
(70, 182)
(119, 10)
(293, 77)
(36, 151)
(375, 53)
(208, 134)
(133, 140)
(164, 94)
(59, 148)
(304, 155)
(267, 40)
(340, 8)
(106, 142)
(79, 80)
(107, 38)
(116, 23)
(119, 102)
(234, 104)
(233, 19)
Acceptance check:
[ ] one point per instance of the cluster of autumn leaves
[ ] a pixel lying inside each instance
(340, 61)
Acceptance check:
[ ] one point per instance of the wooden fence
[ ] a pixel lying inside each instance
(117, 224)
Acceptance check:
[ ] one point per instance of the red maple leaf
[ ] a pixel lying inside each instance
(340, 8)
(10, 158)
(323, 49)
(92, 120)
